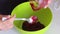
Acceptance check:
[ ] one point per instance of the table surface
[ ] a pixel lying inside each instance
(54, 28)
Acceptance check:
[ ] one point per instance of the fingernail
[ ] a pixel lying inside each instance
(8, 15)
(14, 15)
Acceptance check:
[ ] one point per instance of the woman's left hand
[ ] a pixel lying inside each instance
(7, 24)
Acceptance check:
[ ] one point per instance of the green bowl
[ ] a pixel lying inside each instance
(24, 10)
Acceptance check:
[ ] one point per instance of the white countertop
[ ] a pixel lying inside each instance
(54, 28)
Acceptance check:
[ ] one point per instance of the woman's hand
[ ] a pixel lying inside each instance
(41, 4)
(7, 24)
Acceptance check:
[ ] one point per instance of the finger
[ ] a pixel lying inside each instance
(0, 17)
(4, 18)
(8, 16)
(49, 1)
(46, 6)
(11, 19)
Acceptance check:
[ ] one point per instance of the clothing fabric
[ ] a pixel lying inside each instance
(6, 6)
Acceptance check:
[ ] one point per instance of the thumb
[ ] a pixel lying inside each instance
(11, 19)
